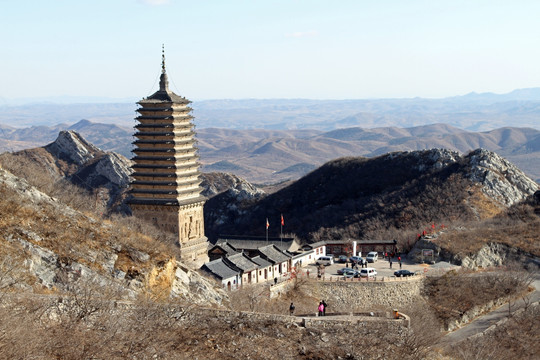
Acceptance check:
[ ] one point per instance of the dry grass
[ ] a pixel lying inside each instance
(94, 328)
(470, 238)
(86, 239)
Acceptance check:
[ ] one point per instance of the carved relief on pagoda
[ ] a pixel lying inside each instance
(191, 222)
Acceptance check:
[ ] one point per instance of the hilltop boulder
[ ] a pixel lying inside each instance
(500, 179)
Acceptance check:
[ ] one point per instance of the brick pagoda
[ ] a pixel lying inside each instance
(165, 187)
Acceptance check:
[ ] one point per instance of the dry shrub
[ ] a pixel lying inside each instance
(456, 292)
(425, 330)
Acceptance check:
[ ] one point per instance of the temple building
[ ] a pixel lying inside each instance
(165, 181)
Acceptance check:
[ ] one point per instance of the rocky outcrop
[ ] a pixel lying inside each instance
(217, 183)
(71, 147)
(495, 254)
(500, 179)
(490, 255)
(115, 168)
(433, 159)
(110, 171)
(97, 171)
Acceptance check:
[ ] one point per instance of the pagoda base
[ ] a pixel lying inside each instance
(186, 221)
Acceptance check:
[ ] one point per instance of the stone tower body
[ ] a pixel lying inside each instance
(165, 187)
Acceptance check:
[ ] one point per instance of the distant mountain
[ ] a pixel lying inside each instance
(277, 156)
(530, 94)
(473, 112)
(388, 196)
(272, 156)
(106, 136)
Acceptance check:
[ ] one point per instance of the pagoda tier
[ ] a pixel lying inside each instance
(165, 187)
(144, 135)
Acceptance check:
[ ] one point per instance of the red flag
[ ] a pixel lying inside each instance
(282, 221)
(267, 224)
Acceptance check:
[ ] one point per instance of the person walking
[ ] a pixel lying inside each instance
(321, 309)
(291, 309)
(390, 261)
(325, 305)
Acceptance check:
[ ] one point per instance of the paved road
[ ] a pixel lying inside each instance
(483, 322)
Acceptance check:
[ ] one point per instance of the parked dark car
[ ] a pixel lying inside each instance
(402, 273)
(343, 271)
(351, 273)
(357, 260)
(342, 259)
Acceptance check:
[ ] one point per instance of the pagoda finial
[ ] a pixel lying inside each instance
(163, 81)
(163, 58)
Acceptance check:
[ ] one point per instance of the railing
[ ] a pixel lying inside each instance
(337, 278)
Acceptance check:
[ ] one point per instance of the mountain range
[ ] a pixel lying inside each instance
(271, 156)
(473, 112)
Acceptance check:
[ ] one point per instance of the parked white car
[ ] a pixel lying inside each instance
(372, 256)
(368, 272)
(325, 260)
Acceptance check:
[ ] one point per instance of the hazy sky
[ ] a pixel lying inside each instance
(315, 49)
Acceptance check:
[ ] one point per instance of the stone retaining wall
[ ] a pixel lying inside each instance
(347, 296)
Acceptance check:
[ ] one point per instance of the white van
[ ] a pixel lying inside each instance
(372, 256)
(368, 272)
(325, 260)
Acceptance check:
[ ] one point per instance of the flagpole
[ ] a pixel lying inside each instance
(281, 223)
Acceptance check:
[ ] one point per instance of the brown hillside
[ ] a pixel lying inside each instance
(390, 196)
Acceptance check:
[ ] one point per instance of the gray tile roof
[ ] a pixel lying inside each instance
(225, 247)
(359, 242)
(254, 244)
(304, 253)
(318, 244)
(261, 262)
(242, 261)
(273, 254)
(221, 269)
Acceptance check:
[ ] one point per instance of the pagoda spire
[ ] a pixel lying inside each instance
(163, 80)
(163, 58)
